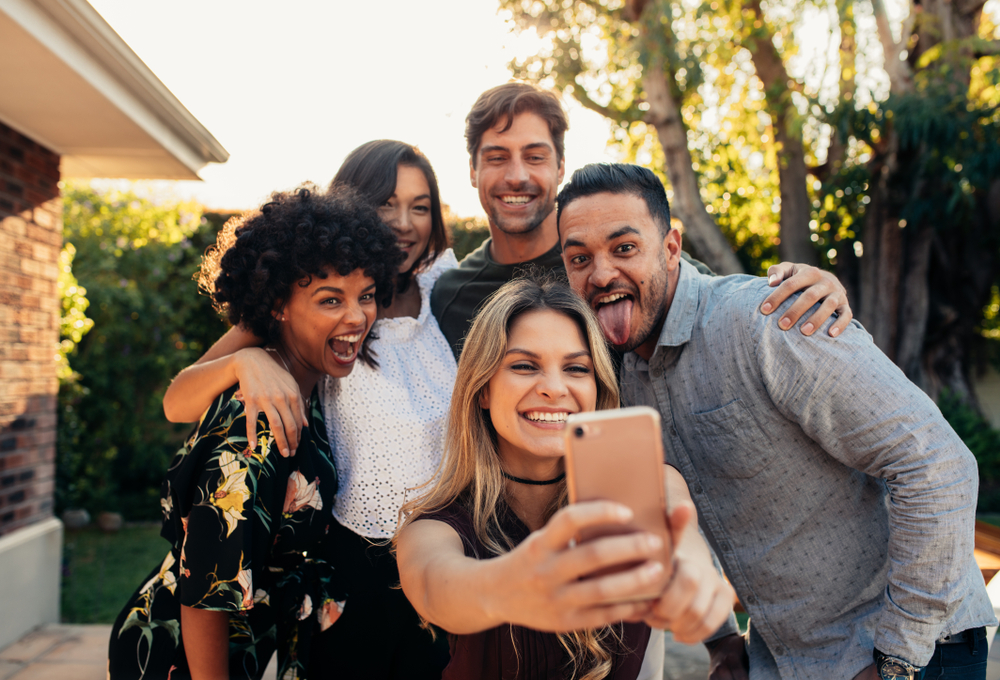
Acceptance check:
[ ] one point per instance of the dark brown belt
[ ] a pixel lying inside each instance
(971, 636)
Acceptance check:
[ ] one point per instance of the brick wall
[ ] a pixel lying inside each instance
(30, 241)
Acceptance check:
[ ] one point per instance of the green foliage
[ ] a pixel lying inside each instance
(135, 260)
(466, 233)
(984, 442)
(73, 323)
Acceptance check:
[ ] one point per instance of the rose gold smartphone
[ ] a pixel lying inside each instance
(617, 455)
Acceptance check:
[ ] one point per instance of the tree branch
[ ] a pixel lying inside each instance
(898, 71)
(581, 95)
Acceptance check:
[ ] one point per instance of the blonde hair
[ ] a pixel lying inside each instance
(470, 472)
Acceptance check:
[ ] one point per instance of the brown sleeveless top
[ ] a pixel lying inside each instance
(512, 652)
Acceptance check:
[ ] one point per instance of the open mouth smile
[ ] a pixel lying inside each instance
(549, 420)
(516, 200)
(345, 347)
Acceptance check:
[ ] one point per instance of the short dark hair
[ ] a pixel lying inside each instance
(618, 178)
(296, 235)
(371, 170)
(503, 103)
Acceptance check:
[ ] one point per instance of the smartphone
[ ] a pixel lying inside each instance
(617, 455)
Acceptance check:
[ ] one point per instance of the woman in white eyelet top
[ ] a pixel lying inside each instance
(386, 424)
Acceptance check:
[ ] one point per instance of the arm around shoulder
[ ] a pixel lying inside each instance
(193, 389)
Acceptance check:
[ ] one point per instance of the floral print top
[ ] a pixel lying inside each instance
(248, 531)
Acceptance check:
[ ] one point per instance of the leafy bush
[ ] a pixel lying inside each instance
(135, 262)
(984, 442)
(466, 233)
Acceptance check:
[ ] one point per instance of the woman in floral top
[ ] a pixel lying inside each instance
(247, 573)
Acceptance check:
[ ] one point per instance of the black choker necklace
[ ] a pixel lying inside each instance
(535, 482)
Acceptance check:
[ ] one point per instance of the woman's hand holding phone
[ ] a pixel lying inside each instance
(542, 584)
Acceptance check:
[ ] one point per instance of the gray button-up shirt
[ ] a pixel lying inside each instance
(836, 496)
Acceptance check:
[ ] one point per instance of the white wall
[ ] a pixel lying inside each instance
(30, 569)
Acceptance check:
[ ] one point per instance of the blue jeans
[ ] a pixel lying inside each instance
(960, 661)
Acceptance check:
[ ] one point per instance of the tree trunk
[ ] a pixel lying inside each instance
(915, 305)
(881, 266)
(795, 245)
(922, 287)
(702, 232)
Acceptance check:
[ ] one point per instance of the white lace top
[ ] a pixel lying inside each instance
(386, 424)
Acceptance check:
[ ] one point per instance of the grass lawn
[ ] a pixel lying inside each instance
(101, 571)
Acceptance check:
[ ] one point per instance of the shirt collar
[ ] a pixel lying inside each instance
(679, 323)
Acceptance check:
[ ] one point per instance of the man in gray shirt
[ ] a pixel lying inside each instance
(837, 498)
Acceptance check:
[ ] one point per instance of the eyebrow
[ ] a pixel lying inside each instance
(611, 237)
(334, 289)
(621, 232)
(533, 355)
(527, 147)
(416, 198)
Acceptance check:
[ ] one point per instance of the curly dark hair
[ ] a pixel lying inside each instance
(296, 235)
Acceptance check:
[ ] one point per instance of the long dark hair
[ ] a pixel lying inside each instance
(371, 170)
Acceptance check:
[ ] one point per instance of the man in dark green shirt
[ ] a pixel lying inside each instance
(514, 134)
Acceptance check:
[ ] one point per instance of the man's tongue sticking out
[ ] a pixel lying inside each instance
(616, 320)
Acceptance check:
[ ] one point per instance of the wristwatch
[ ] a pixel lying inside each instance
(894, 668)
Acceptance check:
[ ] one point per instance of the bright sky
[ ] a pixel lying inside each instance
(290, 88)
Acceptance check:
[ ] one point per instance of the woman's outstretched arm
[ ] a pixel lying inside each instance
(265, 386)
(538, 584)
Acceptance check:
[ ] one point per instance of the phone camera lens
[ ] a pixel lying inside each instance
(578, 432)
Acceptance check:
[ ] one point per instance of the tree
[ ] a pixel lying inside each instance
(894, 186)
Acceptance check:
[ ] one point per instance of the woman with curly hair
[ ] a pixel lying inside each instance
(248, 572)
(487, 553)
(385, 423)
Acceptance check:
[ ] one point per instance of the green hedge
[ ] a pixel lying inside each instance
(135, 262)
(132, 319)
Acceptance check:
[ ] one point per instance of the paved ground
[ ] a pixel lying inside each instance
(72, 652)
(685, 662)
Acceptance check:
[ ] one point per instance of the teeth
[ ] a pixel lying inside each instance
(515, 200)
(546, 417)
(349, 338)
(612, 298)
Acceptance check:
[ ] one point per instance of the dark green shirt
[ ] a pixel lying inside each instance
(460, 292)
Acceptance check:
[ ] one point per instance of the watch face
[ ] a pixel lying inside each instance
(893, 670)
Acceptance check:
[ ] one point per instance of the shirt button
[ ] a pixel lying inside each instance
(751, 599)
(697, 488)
(673, 431)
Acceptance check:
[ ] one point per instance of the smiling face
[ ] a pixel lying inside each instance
(546, 373)
(517, 173)
(324, 322)
(618, 261)
(408, 213)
